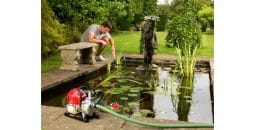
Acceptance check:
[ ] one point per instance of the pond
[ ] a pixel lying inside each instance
(152, 94)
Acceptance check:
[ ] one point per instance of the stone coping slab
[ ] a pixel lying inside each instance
(57, 77)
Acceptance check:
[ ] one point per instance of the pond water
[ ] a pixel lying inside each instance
(153, 94)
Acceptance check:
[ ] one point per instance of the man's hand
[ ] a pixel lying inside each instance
(103, 42)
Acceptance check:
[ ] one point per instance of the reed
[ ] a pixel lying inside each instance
(186, 60)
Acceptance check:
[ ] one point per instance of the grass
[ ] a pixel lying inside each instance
(51, 63)
(128, 43)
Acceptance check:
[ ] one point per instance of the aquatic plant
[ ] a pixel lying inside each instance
(108, 66)
(115, 75)
(186, 61)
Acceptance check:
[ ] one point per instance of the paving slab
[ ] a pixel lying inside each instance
(53, 118)
(132, 126)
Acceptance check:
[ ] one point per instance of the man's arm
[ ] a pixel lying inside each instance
(113, 47)
(92, 38)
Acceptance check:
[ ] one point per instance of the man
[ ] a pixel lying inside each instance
(99, 34)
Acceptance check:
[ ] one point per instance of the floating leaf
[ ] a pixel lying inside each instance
(115, 91)
(132, 95)
(137, 113)
(149, 92)
(125, 88)
(186, 87)
(133, 104)
(145, 112)
(124, 98)
(175, 93)
(134, 90)
(139, 88)
(121, 81)
(188, 101)
(189, 97)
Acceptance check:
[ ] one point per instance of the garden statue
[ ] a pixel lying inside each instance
(149, 38)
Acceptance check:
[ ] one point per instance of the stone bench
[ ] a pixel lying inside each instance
(77, 53)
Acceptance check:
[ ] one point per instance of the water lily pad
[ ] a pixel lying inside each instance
(114, 91)
(175, 93)
(149, 92)
(188, 101)
(124, 98)
(145, 112)
(137, 113)
(125, 87)
(132, 95)
(121, 81)
(139, 88)
(133, 90)
(188, 97)
(126, 109)
(159, 112)
(167, 69)
(133, 104)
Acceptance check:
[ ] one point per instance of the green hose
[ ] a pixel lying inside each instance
(99, 91)
(153, 124)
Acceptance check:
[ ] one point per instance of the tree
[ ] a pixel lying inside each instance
(205, 17)
(163, 11)
(177, 6)
(149, 7)
(91, 11)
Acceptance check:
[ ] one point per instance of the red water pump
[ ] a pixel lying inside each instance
(81, 104)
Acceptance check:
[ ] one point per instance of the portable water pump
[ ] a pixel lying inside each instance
(81, 104)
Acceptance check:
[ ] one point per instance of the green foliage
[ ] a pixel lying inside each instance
(51, 30)
(138, 19)
(186, 61)
(141, 47)
(93, 11)
(184, 34)
(149, 7)
(177, 6)
(184, 30)
(161, 24)
(124, 23)
(205, 17)
(128, 43)
(163, 9)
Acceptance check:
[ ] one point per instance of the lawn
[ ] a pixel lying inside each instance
(128, 43)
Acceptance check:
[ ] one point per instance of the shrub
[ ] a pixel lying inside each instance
(161, 24)
(184, 30)
(52, 32)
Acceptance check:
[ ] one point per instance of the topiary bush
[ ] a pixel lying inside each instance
(184, 30)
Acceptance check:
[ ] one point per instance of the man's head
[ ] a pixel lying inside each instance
(105, 27)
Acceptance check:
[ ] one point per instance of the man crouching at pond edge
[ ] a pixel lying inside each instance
(99, 34)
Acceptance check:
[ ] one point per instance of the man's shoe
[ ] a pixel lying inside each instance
(100, 58)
